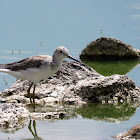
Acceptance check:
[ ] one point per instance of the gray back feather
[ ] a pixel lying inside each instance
(31, 62)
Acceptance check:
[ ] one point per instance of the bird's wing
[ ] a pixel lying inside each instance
(30, 62)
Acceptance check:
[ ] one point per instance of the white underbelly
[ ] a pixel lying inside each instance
(34, 75)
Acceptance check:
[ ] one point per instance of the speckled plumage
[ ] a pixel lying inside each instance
(31, 62)
(36, 68)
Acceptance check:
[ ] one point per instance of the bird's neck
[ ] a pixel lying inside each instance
(56, 60)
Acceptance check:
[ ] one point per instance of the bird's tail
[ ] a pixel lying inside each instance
(4, 70)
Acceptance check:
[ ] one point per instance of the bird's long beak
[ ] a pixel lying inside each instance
(73, 58)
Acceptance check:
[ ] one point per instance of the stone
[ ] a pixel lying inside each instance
(105, 48)
(46, 116)
(75, 83)
(130, 134)
(12, 117)
(109, 88)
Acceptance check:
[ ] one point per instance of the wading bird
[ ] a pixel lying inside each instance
(36, 68)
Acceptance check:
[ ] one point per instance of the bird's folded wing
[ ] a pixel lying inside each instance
(30, 62)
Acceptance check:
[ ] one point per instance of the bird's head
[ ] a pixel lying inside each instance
(61, 53)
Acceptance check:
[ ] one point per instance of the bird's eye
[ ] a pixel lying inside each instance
(60, 51)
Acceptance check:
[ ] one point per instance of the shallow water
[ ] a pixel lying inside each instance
(38, 27)
(92, 121)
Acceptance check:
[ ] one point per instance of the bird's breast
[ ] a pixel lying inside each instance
(43, 73)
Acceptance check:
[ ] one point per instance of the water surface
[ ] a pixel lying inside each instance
(37, 27)
(91, 121)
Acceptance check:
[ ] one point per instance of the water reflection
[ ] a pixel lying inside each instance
(70, 111)
(101, 112)
(33, 131)
(108, 112)
(107, 68)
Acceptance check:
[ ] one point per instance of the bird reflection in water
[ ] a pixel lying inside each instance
(33, 132)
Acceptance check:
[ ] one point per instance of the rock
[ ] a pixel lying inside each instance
(108, 48)
(130, 134)
(12, 117)
(53, 89)
(47, 116)
(110, 88)
(75, 83)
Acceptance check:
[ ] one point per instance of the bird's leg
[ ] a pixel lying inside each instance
(34, 125)
(30, 128)
(34, 98)
(28, 91)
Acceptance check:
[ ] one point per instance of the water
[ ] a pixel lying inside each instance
(92, 121)
(37, 27)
